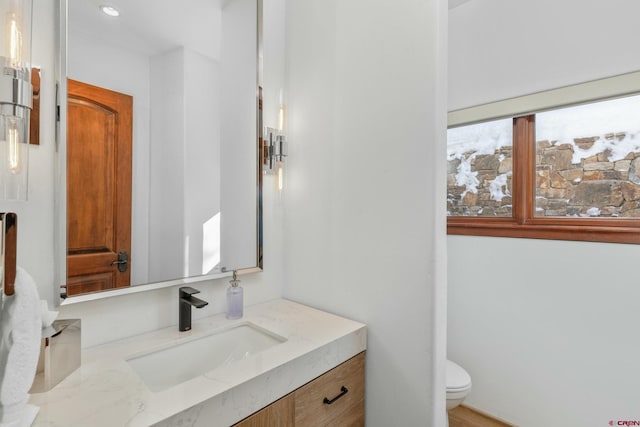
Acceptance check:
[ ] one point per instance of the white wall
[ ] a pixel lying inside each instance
(500, 49)
(202, 154)
(545, 328)
(167, 163)
(238, 125)
(365, 199)
(185, 161)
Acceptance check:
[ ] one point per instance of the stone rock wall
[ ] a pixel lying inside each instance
(463, 202)
(594, 187)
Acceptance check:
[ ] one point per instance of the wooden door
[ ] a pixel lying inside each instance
(99, 147)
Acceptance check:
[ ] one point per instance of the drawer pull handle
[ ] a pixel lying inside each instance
(343, 391)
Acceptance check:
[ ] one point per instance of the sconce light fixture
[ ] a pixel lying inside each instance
(275, 153)
(15, 97)
(281, 115)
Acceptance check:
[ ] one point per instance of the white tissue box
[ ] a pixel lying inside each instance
(59, 354)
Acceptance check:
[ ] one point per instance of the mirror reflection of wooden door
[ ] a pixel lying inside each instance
(99, 147)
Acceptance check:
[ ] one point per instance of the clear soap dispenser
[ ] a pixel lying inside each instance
(235, 303)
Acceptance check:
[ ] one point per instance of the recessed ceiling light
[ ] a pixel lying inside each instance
(109, 10)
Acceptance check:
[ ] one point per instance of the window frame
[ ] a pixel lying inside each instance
(523, 223)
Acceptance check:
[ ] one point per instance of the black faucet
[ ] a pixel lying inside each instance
(185, 301)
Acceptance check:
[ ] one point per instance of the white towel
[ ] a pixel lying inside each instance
(48, 316)
(20, 328)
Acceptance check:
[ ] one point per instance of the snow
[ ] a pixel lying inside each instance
(467, 177)
(495, 187)
(594, 120)
(618, 149)
(475, 140)
(593, 212)
(481, 138)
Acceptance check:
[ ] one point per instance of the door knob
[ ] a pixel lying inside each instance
(122, 262)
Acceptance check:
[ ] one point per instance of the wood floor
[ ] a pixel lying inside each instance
(467, 417)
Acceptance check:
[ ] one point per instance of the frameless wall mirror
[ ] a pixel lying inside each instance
(162, 141)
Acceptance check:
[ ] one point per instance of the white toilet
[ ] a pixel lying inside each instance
(458, 384)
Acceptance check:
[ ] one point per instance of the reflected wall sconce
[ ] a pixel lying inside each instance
(275, 154)
(15, 97)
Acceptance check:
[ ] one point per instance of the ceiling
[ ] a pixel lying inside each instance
(151, 26)
(154, 26)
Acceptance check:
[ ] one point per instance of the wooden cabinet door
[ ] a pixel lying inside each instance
(279, 413)
(307, 407)
(99, 147)
(335, 398)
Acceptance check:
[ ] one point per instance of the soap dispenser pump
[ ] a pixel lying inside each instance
(235, 303)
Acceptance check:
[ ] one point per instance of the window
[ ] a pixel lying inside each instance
(480, 159)
(568, 173)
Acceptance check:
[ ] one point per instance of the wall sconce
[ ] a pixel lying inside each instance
(275, 153)
(15, 97)
(281, 116)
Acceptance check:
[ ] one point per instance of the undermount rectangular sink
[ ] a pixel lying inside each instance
(176, 363)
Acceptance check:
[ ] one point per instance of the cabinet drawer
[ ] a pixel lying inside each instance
(279, 413)
(311, 408)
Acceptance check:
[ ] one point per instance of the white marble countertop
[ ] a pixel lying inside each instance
(105, 391)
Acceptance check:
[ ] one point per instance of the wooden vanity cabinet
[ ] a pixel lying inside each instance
(321, 402)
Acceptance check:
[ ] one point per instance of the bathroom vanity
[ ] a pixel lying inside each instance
(309, 405)
(279, 362)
